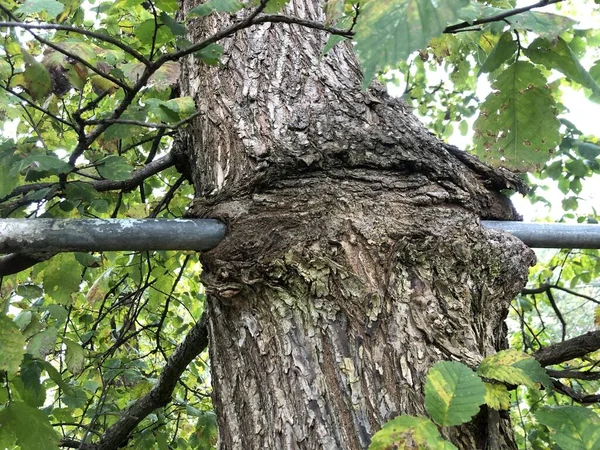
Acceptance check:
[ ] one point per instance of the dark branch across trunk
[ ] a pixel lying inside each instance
(354, 258)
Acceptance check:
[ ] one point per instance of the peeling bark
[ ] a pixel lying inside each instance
(354, 258)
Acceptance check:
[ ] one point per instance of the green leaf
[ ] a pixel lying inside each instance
(517, 125)
(275, 6)
(32, 391)
(588, 150)
(43, 343)
(211, 6)
(557, 54)
(114, 168)
(508, 366)
(42, 164)
(573, 427)
(176, 28)
(36, 78)
(210, 54)
(453, 393)
(388, 32)
(406, 432)
(166, 76)
(52, 7)
(504, 49)
(75, 356)
(497, 396)
(62, 278)
(58, 312)
(184, 106)
(12, 343)
(542, 23)
(30, 425)
(30, 291)
(147, 31)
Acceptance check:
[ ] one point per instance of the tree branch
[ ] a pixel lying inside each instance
(39, 108)
(16, 262)
(569, 349)
(499, 17)
(279, 18)
(588, 376)
(141, 123)
(576, 396)
(137, 177)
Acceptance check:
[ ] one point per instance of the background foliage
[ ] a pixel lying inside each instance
(90, 113)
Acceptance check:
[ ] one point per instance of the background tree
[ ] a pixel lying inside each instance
(354, 258)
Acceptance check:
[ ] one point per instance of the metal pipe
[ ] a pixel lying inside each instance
(90, 235)
(85, 235)
(550, 235)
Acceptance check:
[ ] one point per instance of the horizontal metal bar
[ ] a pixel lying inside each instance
(84, 235)
(550, 235)
(89, 235)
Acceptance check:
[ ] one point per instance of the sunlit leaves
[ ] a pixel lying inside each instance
(558, 55)
(497, 396)
(409, 432)
(453, 393)
(572, 426)
(514, 367)
(62, 278)
(517, 125)
(504, 49)
(52, 7)
(388, 32)
(12, 342)
(542, 23)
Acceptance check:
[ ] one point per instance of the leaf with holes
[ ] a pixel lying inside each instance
(517, 125)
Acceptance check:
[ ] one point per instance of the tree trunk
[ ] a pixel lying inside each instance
(354, 258)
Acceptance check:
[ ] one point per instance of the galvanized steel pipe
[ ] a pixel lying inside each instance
(90, 235)
(84, 235)
(550, 235)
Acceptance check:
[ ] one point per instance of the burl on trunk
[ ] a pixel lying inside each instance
(354, 258)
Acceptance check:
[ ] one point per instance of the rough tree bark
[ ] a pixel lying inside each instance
(354, 258)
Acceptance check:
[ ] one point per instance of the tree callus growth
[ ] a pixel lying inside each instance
(354, 258)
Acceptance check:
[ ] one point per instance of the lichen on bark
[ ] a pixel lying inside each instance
(354, 258)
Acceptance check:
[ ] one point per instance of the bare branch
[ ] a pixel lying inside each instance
(576, 396)
(569, 349)
(137, 177)
(278, 18)
(499, 17)
(589, 376)
(140, 123)
(39, 108)
(16, 262)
